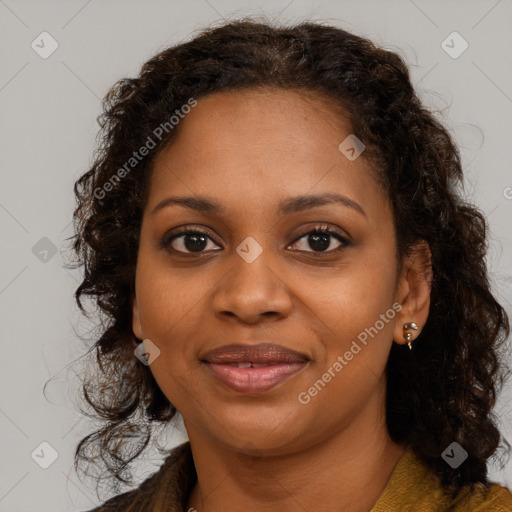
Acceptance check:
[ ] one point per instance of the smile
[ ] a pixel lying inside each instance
(248, 377)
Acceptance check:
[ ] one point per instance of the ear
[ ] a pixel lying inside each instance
(136, 321)
(413, 291)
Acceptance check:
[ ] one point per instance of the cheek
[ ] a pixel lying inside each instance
(164, 293)
(352, 297)
(169, 316)
(354, 311)
(172, 303)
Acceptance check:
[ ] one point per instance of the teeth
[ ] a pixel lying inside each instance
(251, 365)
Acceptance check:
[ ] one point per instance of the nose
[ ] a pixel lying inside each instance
(252, 291)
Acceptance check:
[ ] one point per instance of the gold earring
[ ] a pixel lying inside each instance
(408, 335)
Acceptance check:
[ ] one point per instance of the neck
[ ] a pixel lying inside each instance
(346, 471)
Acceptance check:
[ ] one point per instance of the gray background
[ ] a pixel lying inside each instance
(47, 129)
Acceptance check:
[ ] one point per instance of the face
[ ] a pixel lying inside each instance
(254, 273)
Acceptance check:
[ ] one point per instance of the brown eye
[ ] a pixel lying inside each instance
(187, 241)
(320, 239)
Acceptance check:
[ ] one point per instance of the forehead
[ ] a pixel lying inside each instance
(255, 143)
(268, 116)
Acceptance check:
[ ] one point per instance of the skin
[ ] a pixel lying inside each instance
(248, 151)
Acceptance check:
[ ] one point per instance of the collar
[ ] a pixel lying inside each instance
(413, 485)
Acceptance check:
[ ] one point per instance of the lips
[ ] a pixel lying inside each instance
(264, 353)
(253, 368)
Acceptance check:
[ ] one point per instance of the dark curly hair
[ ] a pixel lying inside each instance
(446, 388)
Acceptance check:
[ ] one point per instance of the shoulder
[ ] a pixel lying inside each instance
(134, 499)
(161, 486)
(415, 487)
(120, 503)
(479, 498)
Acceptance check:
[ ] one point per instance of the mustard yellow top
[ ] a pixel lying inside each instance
(412, 487)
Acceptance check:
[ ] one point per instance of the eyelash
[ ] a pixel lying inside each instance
(323, 229)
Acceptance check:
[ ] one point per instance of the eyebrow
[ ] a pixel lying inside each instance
(286, 207)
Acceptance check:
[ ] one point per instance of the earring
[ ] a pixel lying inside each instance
(408, 335)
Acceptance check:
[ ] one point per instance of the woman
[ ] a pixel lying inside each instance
(273, 228)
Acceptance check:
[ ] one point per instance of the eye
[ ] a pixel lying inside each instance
(190, 241)
(193, 241)
(320, 239)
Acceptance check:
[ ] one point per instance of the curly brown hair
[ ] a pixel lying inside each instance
(442, 391)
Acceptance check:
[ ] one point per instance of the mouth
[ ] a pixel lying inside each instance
(252, 377)
(254, 369)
